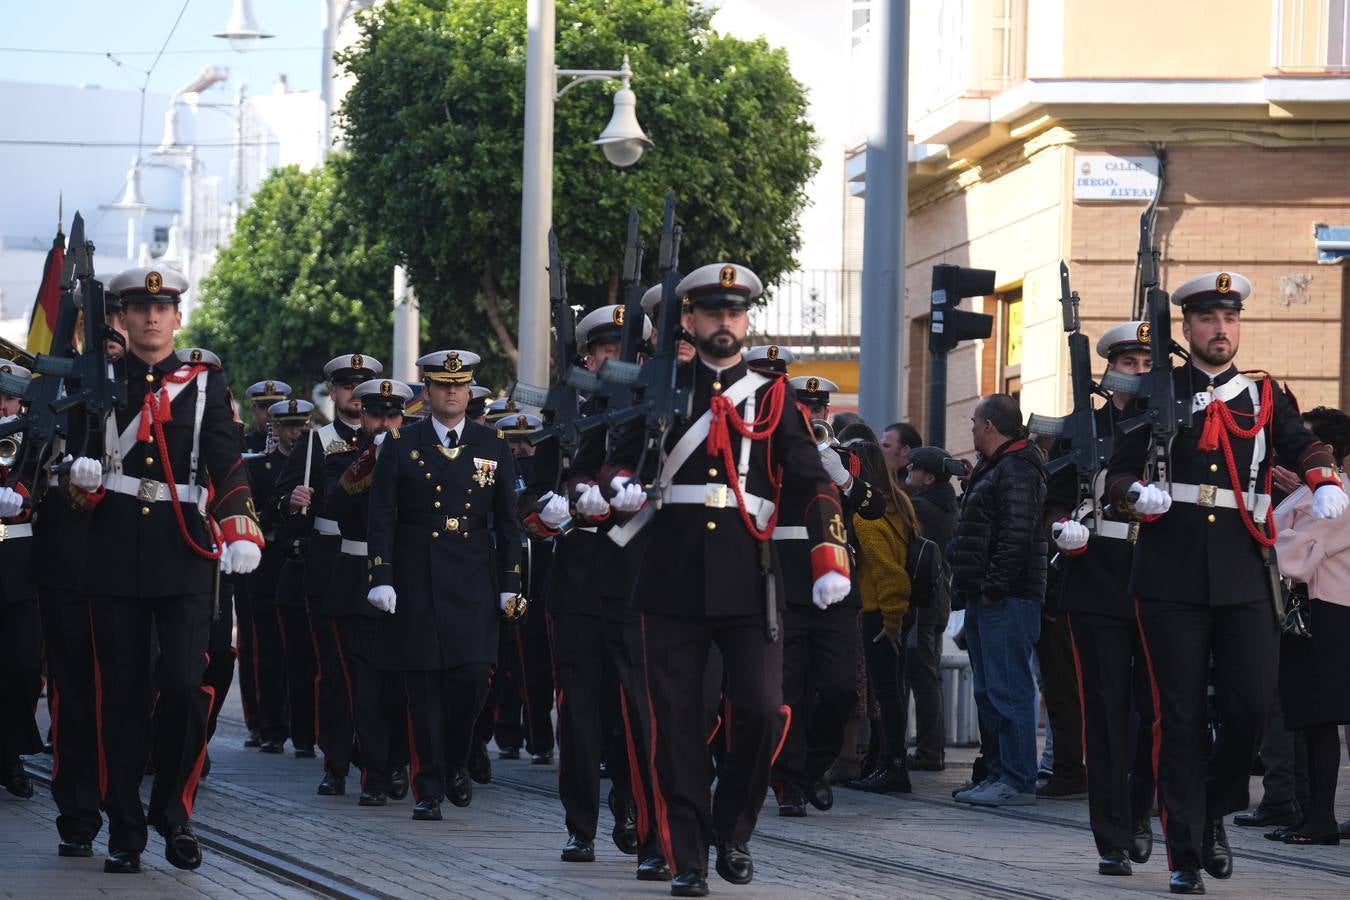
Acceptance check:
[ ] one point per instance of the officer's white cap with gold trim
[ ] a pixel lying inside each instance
(449, 366)
(268, 392)
(290, 412)
(769, 356)
(352, 368)
(606, 323)
(720, 285)
(519, 424)
(148, 284)
(1123, 337)
(812, 389)
(1213, 290)
(383, 395)
(196, 356)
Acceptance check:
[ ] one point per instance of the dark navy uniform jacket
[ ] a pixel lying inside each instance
(346, 495)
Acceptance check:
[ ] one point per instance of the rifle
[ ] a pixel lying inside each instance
(558, 403)
(604, 393)
(1164, 412)
(1076, 433)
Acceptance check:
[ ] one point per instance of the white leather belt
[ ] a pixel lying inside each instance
(327, 526)
(1120, 531)
(716, 496)
(147, 490)
(11, 532)
(353, 548)
(1207, 495)
(790, 533)
(590, 529)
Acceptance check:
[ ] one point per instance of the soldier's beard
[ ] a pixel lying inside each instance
(721, 344)
(1215, 356)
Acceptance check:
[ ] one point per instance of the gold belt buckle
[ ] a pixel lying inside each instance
(716, 496)
(1207, 495)
(451, 523)
(147, 491)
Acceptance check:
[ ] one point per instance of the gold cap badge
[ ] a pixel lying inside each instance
(1224, 283)
(1145, 333)
(196, 355)
(813, 384)
(386, 389)
(772, 352)
(618, 315)
(453, 363)
(357, 361)
(727, 277)
(269, 388)
(154, 283)
(293, 407)
(522, 422)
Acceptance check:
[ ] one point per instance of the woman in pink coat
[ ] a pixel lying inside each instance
(1312, 668)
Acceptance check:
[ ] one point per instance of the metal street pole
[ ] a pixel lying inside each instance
(406, 325)
(536, 202)
(882, 363)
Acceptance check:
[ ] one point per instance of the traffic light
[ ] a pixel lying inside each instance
(947, 325)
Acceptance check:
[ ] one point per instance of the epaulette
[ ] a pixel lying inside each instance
(393, 433)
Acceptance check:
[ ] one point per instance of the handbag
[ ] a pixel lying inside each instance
(1297, 621)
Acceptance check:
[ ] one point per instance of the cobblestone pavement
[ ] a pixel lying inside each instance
(270, 835)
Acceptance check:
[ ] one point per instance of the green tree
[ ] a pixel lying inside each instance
(435, 126)
(303, 279)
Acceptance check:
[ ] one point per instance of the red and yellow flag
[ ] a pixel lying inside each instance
(42, 325)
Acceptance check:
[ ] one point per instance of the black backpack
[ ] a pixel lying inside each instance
(930, 577)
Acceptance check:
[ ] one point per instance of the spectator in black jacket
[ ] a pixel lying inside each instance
(999, 568)
(930, 489)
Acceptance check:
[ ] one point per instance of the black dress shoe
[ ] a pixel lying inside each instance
(76, 848)
(917, 763)
(625, 824)
(509, 753)
(1215, 852)
(1278, 834)
(373, 798)
(1267, 815)
(1294, 836)
(272, 746)
(1141, 847)
(542, 759)
(398, 784)
(480, 767)
(689, 884)
(304, 752)
(253, 740)
(16, 780)
(427, 811)
(888, 778)
(1185, 881)
(820, 794)
(460, 789)
(734, 863)
(653, 868)
(791, 802)
(578, 849)
(180, 847)
(1117, 862)
(123, 862)
(332, 785)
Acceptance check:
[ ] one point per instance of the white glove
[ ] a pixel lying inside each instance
(1152, 501)
(591, 502)
(829, 589)
(1329, 501)
(379, 438)
(383, 598)
(504, 598)
(86, 474)
(11, 502)
(627, 497)
(554, 511)
(1070, 535)
(240, 558)
(834, 466)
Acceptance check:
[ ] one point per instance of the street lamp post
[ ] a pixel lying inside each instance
(623, 143)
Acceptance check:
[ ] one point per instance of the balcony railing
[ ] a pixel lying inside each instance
(1311, 35)
(817, 312)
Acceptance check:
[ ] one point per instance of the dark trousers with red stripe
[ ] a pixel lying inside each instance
(676, 652)
(269, 668)
(333, 712)
(125, 684)
(1195, 783)
(219, 673)
(820, 684)
(69, 651)
(1117, 711)
(20, 678)
(442, 707)
(535, 655)
(377, 714)
(302, 671)
(246, 651)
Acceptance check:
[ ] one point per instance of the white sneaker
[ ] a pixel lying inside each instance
(964, 796)
(998, 794)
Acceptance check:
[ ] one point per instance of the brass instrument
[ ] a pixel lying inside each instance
(9, 449)
(824, 434)
(14, 353)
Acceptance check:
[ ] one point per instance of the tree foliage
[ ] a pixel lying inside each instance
(303, 279)
(435, 127)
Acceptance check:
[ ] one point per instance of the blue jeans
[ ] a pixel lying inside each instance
(1001, 639)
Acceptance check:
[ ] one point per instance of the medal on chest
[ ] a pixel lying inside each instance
(485, 471)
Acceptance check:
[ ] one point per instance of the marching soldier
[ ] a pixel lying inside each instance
(478, 401)
(151, 564)
(820, 646)
(1200, 580)
(20, 619)
(287, 420)
(436, 570)
(262, 395)
(316, 698)
(1098, 546)
(708, 575)
(375, 717)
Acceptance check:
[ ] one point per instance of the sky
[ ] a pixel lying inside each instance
(69, 43)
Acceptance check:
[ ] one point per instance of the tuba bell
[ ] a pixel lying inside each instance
(823, 433)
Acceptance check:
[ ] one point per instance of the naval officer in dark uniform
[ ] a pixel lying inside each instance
(262, 395)
(1200, 579)
(444, 549)
(708, 575)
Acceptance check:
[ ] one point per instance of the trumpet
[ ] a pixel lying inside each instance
(823, 433)
(9, 449)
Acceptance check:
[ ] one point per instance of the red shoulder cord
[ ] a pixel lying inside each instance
(155, 411)
(719, 441)
(1220, 428)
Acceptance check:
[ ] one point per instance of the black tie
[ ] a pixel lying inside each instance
(451, 439)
